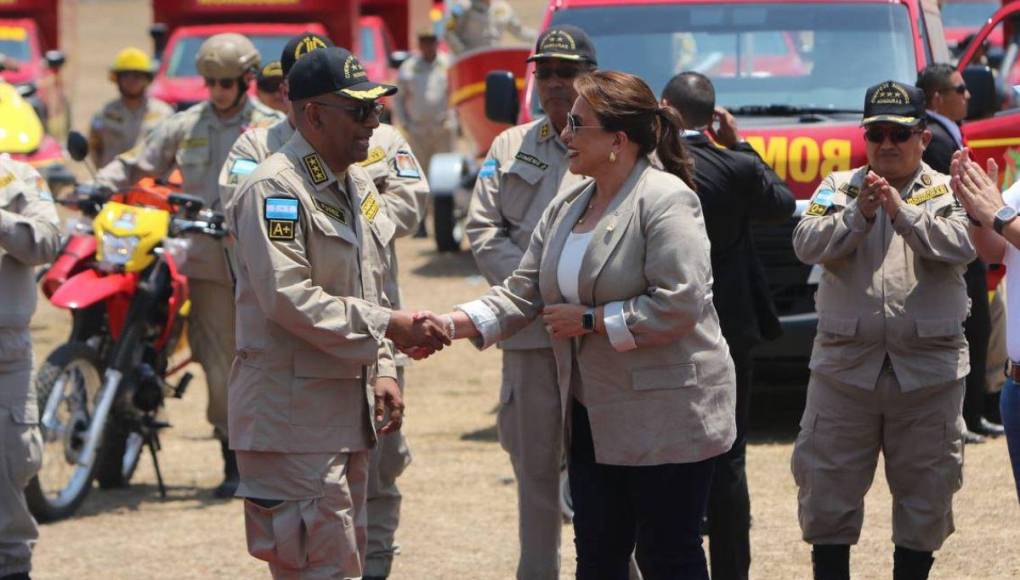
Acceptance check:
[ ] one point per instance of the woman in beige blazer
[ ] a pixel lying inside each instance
(619, 269)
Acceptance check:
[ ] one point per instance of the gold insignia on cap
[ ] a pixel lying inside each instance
(368, 95)
(272, 69)
(313, 165)
(306, 45)
(352, 68)
(889, 93)
(558, 40)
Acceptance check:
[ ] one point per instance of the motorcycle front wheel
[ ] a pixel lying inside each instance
(67, 387)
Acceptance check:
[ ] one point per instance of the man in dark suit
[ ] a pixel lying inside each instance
(736, 188)
(947, 97)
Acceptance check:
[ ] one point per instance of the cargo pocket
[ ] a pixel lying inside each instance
(276, 533)
(838, 326)
(22, 444)
(325, 390)
(15, 349)
(664, 377)
(801, 449)
(939, 328)
(515, 206)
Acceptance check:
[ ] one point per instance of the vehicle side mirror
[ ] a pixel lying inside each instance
(397, 58)
(501, 103)
(77, 146)
(984, 99)
(190, 204)
(55, 59)
(27, 90)
(159, 33)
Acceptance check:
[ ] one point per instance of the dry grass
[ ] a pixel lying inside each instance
(459, 517)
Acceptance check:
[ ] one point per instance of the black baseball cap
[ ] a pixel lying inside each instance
(333, 70)
(299, 46)
(269, 77)
(565, 42)
(893, 102)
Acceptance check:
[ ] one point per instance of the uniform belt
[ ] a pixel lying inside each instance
(1014, 371)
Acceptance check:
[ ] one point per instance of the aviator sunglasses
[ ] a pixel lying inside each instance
(360, 112)
(566, 72)
(895, 134)
(958, 89)
(574, 123)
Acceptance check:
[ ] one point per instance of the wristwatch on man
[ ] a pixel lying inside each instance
(588, 320)
(1003, 216)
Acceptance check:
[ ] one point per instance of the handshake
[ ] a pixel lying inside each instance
(420, 334)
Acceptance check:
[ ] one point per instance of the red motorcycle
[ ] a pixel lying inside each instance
(101, 393)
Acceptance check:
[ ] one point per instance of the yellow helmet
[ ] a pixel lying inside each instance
(226, 56)
(131, 60)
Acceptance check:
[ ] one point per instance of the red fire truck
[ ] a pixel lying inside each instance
(794, 72)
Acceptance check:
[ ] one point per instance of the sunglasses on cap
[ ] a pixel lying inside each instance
(895, 134)
(958, 89)
(224, 83)
(359, 112)
(564, 72)
(574, 123)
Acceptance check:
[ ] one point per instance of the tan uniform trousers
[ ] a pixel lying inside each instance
(20, 459)
(387, 461)
(530, 430)
(307, 519)
(844, 428)
(211, 336)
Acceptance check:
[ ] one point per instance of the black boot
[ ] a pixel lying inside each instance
(18, 576)
(831, 561)
(910, 564)
(230, 476)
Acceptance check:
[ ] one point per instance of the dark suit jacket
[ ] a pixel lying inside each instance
(736, 188)
(939, 153)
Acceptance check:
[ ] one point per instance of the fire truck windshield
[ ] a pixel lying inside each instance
(805, 55)
(14, 43)
(182, 59)
(957, 14)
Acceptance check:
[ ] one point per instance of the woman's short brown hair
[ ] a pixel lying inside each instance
(624, 102)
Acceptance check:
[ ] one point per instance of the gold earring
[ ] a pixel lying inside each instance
(612, 156)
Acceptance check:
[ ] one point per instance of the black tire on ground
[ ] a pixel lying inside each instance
(444, 224)
(113, 469)
(51, 369)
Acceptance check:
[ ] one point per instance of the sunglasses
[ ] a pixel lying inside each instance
(360, 112)
(224, 83)
(895, 134)
(574, 123)
(567, 72)
(958, 89)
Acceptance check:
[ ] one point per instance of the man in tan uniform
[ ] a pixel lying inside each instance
(28, 237)
(197, 142)
(481, 24)
(268, 87)
(312, 240)
(400, 181)
(422, 105)
(124, 122)
(889, 360)
(525, 168)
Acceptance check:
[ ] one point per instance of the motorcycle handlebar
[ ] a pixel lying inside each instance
(211, 227)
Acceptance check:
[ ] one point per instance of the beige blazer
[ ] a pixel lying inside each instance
(670, 399)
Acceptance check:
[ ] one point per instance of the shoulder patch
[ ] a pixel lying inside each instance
(243, 166)
(489, 168)
(821, 203)
(405, 166)
(332, 211)
(281, 216)
(531, 160)
(313, 165)
(369, 207)
(928, 194)
(375, 155)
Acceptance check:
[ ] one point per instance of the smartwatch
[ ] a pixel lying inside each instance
(588, 320)
(1005, 215)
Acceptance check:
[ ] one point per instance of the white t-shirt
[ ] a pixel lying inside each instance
(569, 268)
(1012, 262)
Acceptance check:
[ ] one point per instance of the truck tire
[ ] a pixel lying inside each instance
(444, 224)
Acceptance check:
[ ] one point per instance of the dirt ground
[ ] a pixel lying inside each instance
(459, 515)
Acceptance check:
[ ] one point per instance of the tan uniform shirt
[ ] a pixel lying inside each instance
(310, 329)
(197, 141)
(473, 25)
(423, 100)
(117, 129)
(888, 289)
(525, 168)
(29, 237)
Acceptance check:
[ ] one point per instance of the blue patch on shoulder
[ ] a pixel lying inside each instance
(282, 208)
(824, 197)
(243, 166)
(489, 168)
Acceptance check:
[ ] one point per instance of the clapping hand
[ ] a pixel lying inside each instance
(418, 333)
(977, 189)
(877, 192)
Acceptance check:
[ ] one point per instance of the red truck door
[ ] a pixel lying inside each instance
(997, 136)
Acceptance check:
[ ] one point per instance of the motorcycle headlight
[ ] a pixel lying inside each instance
(117, 250)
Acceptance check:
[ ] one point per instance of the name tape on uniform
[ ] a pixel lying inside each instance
(313, 165)
(194, 143)
(531, 160)
(928, 194)
(851, 191)
(333, 212)
(405, 165)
